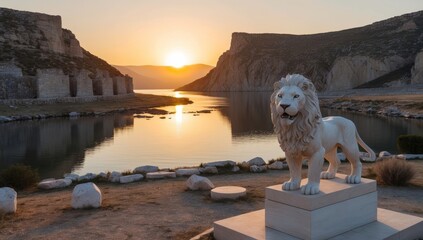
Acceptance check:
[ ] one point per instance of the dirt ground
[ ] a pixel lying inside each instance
(164, 209)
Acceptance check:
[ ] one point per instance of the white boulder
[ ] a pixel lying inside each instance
(258, 169)
(102, 175)
(55, 183)
(365, 157)
(86, 195)
(196, 182)
(258, 161)
(72, 176)
(235, 169)
(146, 169)
(209, 170)
(87, 177)
(74, 114)
(341, 156)
(278, 165)
(114, 177)
(131, 178)
(410, 156)
(384, 154)
(8, 200)
(187, 171)
(47, 179)
(220, 163)
(158, 175)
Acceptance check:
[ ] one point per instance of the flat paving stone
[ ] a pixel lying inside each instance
(228, 192)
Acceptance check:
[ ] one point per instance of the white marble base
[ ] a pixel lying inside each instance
(339, 211)
(338, 208)
(389, 225)
(331, 191)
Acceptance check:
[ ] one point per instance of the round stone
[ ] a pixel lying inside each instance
(228, 192)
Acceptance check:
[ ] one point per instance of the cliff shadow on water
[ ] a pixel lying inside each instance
(57, 146)
(248, 112)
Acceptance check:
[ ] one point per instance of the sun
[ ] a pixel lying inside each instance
(176, 59)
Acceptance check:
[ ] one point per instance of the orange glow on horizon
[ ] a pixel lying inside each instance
(176, 59)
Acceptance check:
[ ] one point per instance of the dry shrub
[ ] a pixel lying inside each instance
(394, 172)
(19, 177)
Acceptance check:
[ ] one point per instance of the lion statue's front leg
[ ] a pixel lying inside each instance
(294, 164)
(315, 164)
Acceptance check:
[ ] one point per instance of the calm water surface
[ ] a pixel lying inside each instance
(239, 128)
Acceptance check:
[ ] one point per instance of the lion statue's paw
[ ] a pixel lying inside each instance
(353, 179)
(291, 185)
(310, 189)
(327, 175)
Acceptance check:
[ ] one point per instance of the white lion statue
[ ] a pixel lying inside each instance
(304, 134)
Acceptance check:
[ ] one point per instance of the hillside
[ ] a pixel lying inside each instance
(40, 59)
(165, 77)
(334, 61)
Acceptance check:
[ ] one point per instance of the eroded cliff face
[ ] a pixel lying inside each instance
(417, 70)
(333, 61)
(350, 72)
(38, 31)
(40, 59)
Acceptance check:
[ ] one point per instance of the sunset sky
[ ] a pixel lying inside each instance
(153, 32)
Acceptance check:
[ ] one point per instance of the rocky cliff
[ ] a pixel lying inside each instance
(40, 59)
(333, 61)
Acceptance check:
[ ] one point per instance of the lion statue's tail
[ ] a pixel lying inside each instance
(360, 141)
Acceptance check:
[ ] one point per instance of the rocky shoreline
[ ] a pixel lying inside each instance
(403, 102)
(386, 109)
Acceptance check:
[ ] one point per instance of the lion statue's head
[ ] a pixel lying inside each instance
(295, 111)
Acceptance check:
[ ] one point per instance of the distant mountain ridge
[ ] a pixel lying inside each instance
(333, 61)
(160, 77)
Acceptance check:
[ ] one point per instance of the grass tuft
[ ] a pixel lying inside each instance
(394, 172)
(281, 159)
(127, 172)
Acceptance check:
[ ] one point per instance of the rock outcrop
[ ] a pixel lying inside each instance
(417, 70)
(334, 61)
(40, 59)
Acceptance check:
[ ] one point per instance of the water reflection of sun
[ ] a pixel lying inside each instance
(178, 113)
(177, 95)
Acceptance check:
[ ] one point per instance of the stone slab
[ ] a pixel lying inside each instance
(160, 175)
(389, 225)
(331, 191)
(228, 192)
(324, 222)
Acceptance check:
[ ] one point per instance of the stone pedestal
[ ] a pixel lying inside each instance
(338, 207)
(339, 211)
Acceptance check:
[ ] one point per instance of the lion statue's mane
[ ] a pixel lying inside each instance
(298, 135)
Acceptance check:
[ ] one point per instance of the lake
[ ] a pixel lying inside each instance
(238, 128)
